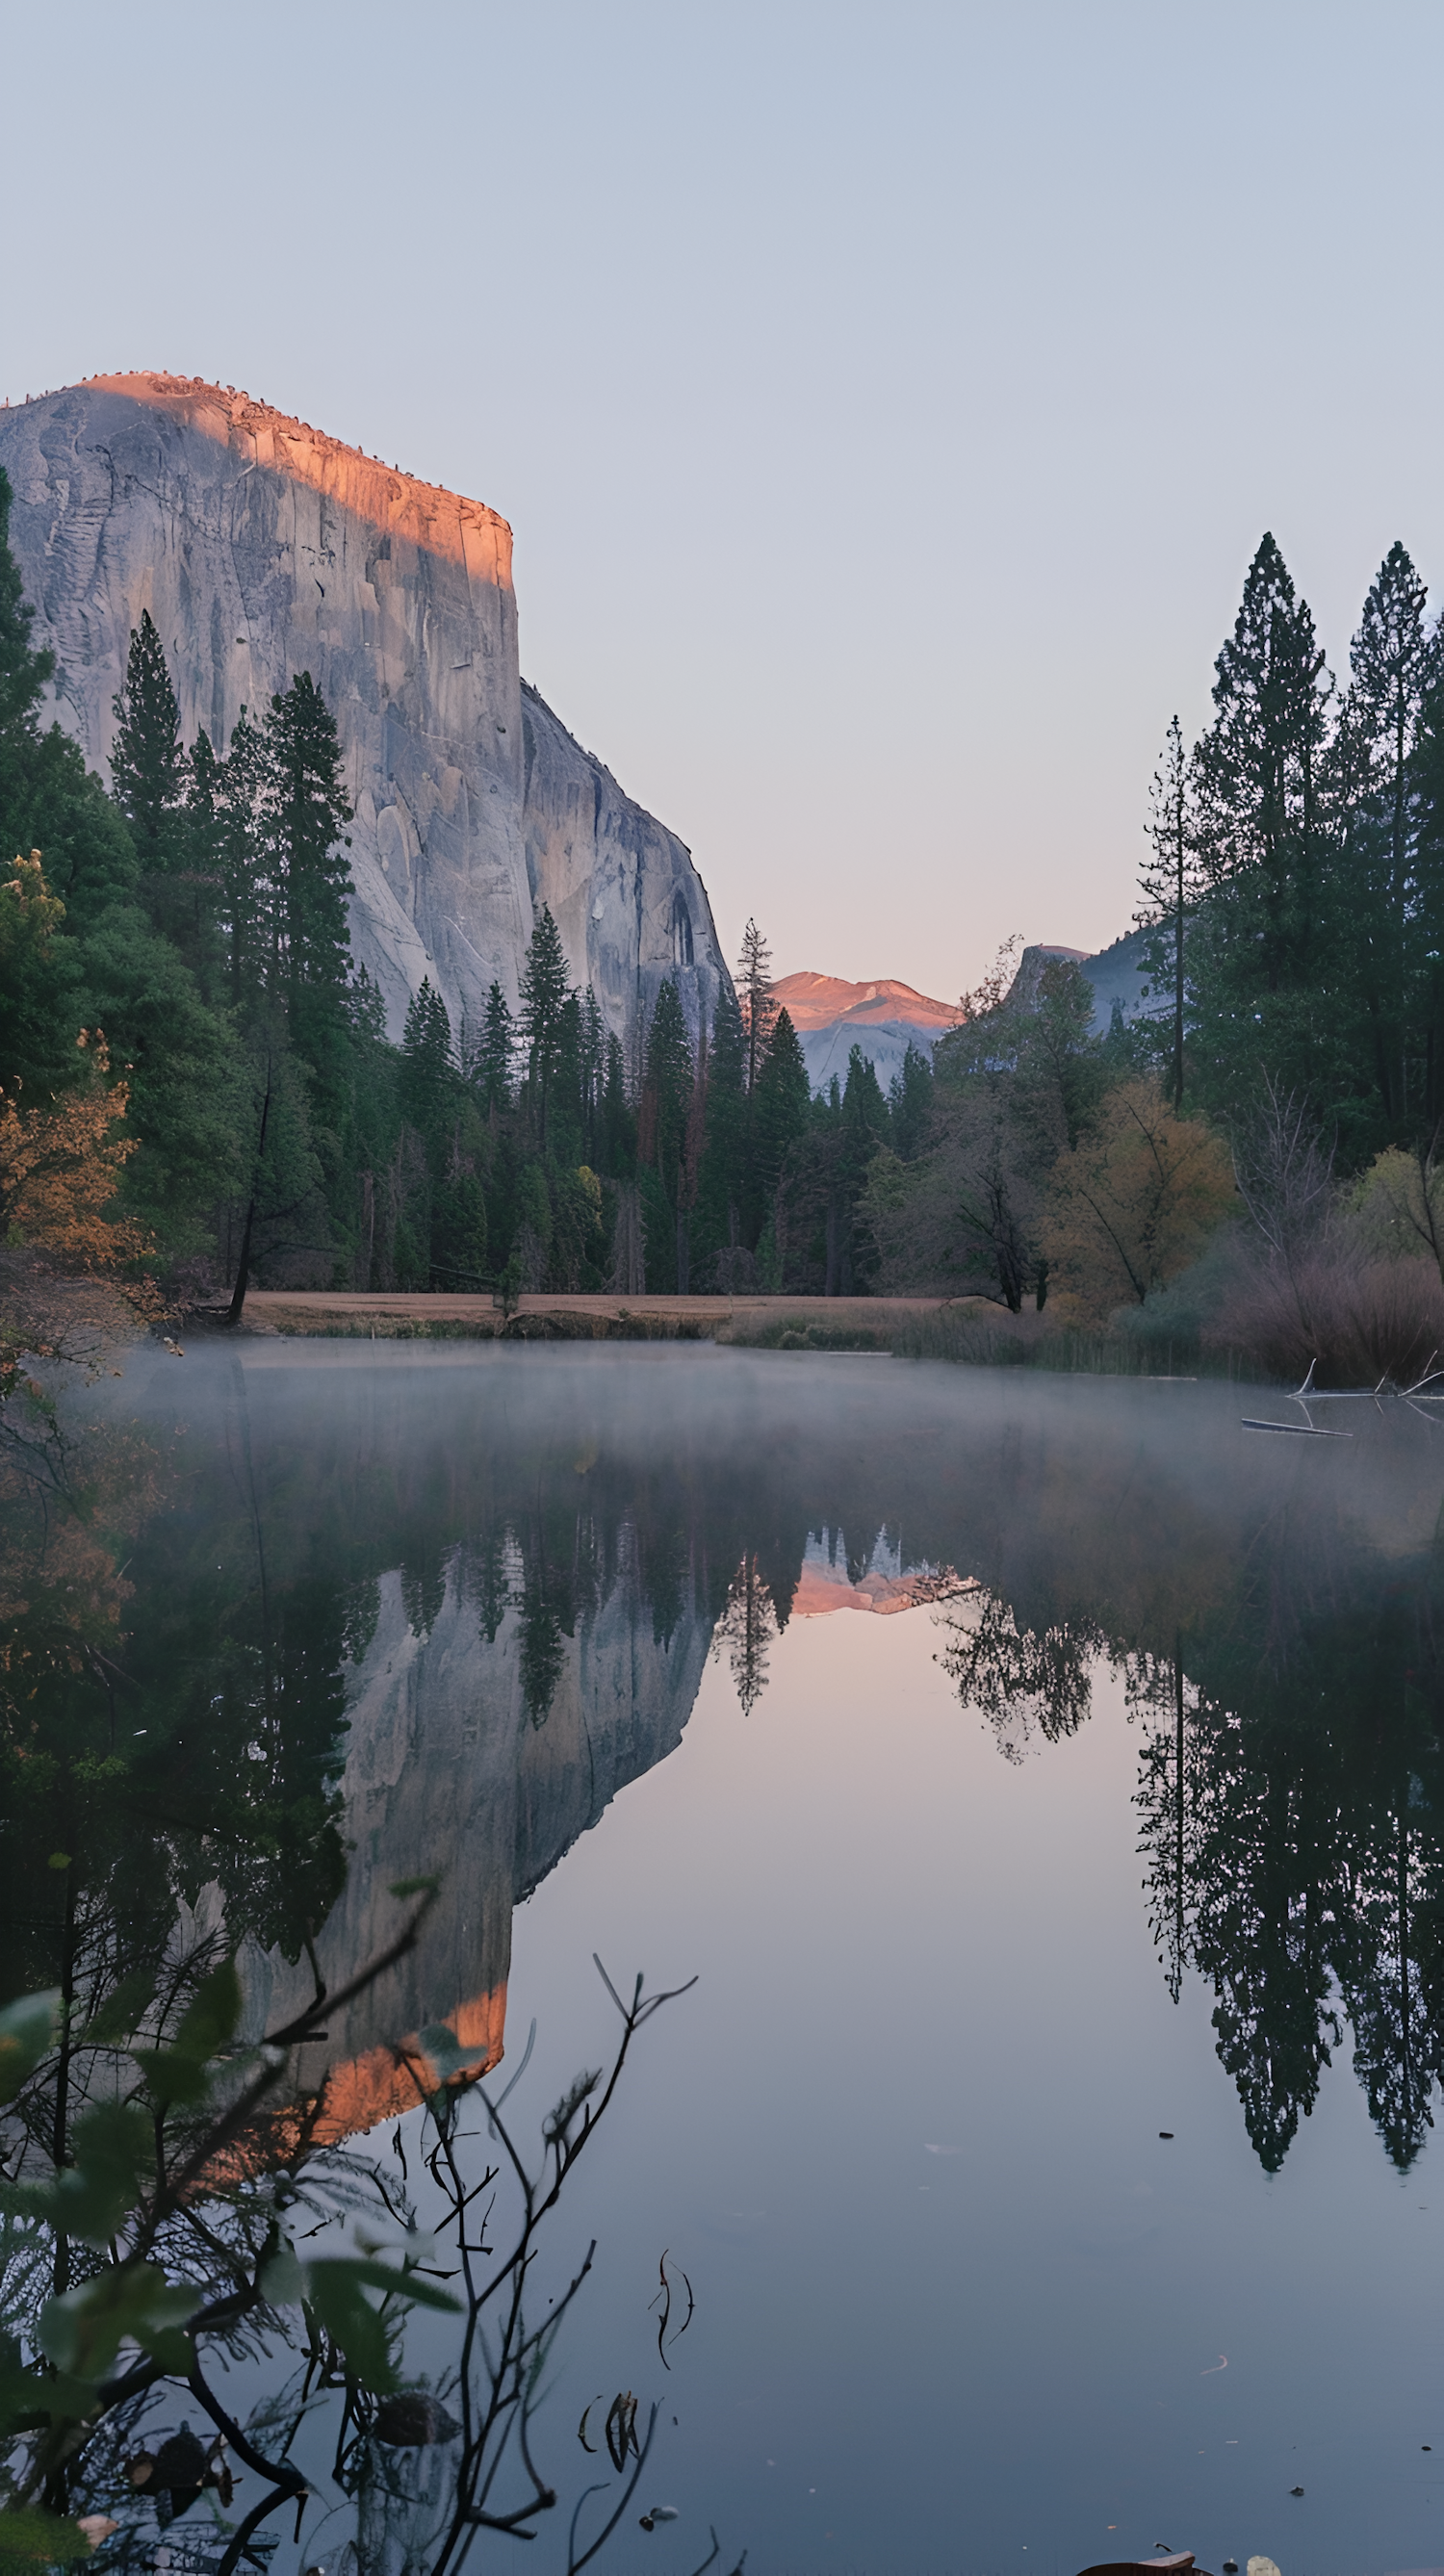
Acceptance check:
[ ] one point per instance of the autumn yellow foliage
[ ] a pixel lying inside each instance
(29, 912)
(61, 1163)
(1134, 1202)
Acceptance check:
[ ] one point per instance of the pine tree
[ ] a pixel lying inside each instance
(910, 1104)
(746, 1629)
(781, 1103)
(1426, 782)
(851, 1130)
(428, 1072)
(568, 1106)
(147, 764)
(196, 924)
(1376, 888)
(248, 894)
(754, 998)
(721, 1176)
(48, 799)
(665, 1116)
(617, 1141)
(491, 1067)
(24, 673)
(1261, 822)
(306, 811)
(544, 994)
(593, 1069)
(1172, 883)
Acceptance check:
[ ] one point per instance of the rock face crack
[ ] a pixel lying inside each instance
(226, 520)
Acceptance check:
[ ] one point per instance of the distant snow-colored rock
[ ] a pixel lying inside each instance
(1117, 974)
(262, 547)
(884, 1018)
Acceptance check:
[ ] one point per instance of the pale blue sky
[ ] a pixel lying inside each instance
(886, 398)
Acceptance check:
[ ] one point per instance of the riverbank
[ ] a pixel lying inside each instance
(839, 1323)
(966, 1331)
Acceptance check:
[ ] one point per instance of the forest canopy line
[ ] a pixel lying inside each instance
(174, 949)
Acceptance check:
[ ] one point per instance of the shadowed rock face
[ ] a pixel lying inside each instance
(261, 548)
(455, 1769)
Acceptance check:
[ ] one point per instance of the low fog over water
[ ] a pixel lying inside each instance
(1030, 1765)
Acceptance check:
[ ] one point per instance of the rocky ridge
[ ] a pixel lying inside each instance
(263, 547)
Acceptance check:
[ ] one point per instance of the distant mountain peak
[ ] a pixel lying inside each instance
(814, 1001)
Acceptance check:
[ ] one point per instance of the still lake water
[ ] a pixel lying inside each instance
(657, 1653)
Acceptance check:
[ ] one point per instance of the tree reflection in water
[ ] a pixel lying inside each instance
(1020, 1679)
(745, 1631)
(255, 1674)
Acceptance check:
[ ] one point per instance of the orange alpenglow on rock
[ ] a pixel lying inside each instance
(466, 532)
(261, 548)
(816, 1001)
(821, 1589)
(383, 2083)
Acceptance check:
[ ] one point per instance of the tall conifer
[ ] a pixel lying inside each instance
(1378, 896)
(544, 994)
(248, 892)
(754, 998)
(782, 1100)
(491, 1067)
(48, 799)
(1172, 883)
(721, 1177)
(665, 1120)
(306, 812)
(1260, 767)
(147, 764)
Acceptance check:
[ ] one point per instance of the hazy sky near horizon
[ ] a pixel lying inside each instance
(887, 399)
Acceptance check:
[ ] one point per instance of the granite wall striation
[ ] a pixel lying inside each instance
(262, 547)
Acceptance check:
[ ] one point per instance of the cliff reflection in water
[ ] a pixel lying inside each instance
(392, 1613)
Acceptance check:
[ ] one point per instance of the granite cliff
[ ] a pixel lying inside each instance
(452, 1770)
(261, 548)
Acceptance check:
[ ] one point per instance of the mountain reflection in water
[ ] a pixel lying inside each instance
(346, 1614)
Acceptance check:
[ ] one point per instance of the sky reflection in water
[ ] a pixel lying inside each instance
(1140, 1833)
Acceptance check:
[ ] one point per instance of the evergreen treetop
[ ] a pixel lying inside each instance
(147, 765)
(1260, 766)
(667, 1090)
(306, 811)
(48, 799)
(545, 991)
(754, 998)
(491, 1068)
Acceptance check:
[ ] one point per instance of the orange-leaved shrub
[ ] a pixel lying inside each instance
(61, 1165)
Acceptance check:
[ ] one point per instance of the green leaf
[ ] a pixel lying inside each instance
(283, 2280)
(415, 1886)
(386, 2276)
(111, 2146)
(27, 2031)
(171, 2347)
(83, 2331)
(180, 2073)
(121, 2013)
(170, 2077)
(352, 2323)
(212, 2017)
(30, 2538)
(31, 2397)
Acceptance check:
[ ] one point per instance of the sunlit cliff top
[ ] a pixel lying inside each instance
(433, 517)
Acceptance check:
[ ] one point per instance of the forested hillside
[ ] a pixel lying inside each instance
(174, 950)
(183, 1032)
